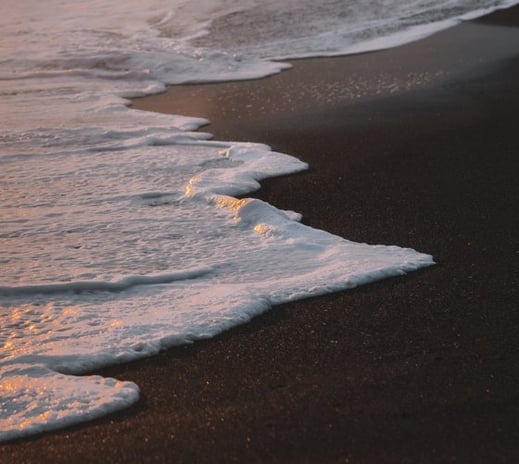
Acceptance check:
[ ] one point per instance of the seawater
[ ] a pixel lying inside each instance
(120, 231)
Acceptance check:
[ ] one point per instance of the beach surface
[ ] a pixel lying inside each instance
(415, 146)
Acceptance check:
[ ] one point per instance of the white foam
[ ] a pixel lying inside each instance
(120, 231)
(36, 399)
(228, 250)
(329, 28)
(254, 163)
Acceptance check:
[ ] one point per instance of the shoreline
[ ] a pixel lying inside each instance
(415, 369)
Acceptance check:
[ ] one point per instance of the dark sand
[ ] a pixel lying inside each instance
(423, 152)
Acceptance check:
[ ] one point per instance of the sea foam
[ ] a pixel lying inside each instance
(121, 234)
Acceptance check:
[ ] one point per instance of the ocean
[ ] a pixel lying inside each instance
(124, 232)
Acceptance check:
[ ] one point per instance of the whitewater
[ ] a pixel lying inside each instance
(123, 232)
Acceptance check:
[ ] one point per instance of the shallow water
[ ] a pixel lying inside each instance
(120, 233)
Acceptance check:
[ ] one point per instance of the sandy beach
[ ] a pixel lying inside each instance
(415, 146)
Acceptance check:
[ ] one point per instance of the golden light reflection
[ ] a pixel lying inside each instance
(12, 385)
(232, 204)
(116, 324)
(261, 229)
(8, 345)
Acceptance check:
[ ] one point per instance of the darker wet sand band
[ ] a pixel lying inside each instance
(416, 146)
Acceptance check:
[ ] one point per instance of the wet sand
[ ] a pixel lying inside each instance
(416, 146)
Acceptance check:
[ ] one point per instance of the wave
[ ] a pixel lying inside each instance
(105, 286)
